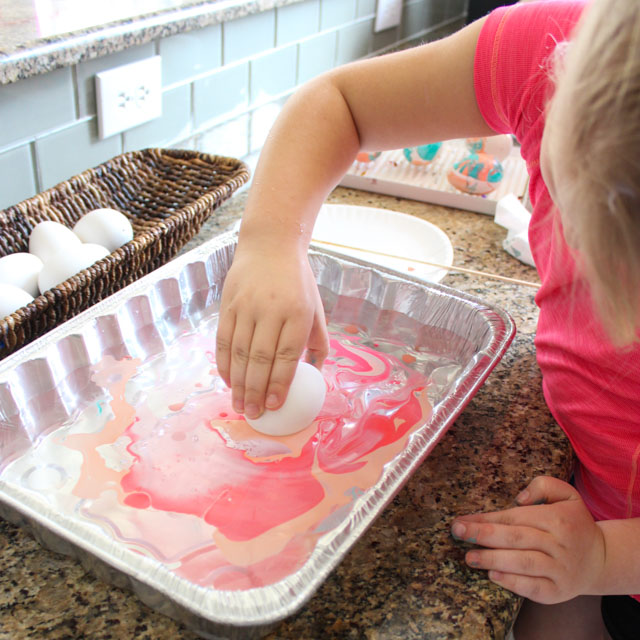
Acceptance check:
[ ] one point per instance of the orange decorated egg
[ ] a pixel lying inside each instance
(478, 174)
(423, 154)
(367, 157)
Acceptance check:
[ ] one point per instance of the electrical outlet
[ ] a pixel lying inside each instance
(128, 96)
(388, 14)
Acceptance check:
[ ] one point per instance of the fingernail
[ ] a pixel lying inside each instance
(252, 411)
(523, 497)
(473, 560)
(272, 401)
(458, 530)
(238, 406)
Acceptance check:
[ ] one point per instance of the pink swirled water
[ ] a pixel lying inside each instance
(164, 465)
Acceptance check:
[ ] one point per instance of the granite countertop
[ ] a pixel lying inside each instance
(405, 578)
(36, 37)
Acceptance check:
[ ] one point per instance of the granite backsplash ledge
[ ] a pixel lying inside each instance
(227, 69)
(35, 40)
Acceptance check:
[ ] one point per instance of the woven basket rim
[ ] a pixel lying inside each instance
(86, 177)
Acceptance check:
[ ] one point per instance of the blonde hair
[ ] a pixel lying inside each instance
(592, 154)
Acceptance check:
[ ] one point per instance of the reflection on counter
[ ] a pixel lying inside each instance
(49, 18)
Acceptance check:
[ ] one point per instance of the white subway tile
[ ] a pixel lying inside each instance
(34, 105)
(187, 55)
(17, 175)
(248, 36)
(66, 153)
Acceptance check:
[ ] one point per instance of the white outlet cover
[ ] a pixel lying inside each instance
(388, 14)
(128, 95)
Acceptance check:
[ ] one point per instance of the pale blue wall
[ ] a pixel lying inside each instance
(223, 86)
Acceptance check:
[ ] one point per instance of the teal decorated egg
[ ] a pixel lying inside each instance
(423, 154)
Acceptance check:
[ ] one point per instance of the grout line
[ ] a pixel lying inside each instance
(76, 90)
(37, 172)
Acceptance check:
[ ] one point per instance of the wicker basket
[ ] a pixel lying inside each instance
(166, 193)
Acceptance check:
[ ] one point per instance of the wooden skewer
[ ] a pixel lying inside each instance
(472, 272)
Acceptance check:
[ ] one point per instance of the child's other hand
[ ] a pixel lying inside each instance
(270, 311)
(548, 550)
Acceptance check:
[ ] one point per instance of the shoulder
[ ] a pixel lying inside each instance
(529, 29)
(513, 58)
(557, 16)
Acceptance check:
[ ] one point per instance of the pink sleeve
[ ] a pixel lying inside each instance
(513, 60)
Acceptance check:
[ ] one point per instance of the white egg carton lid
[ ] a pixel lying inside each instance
(392, 175)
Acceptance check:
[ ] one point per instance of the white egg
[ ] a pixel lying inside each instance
(497, 146)
(12, 298)
(21, 270)
(50, 238)
(95, 250)
(106, 227)
(303, 403)
(64, 265)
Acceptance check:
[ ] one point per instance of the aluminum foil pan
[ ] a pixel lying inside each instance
(118, 443)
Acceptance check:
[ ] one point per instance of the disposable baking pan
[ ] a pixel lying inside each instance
(118, 444)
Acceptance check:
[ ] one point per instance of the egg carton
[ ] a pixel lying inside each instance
(391, 174)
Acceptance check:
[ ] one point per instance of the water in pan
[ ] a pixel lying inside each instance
(162, 464)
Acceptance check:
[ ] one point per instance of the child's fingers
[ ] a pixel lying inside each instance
(240, 352)
(224, 337)
(290, 346)
(262, 358)
(318, 342)
(546, 490)
(534, 564)
(536, 589)
(502, 536)
(529, 516)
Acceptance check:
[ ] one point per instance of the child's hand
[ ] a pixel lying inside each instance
(548, 550)
(270, 310)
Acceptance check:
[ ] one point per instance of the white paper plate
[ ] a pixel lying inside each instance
(390, 232)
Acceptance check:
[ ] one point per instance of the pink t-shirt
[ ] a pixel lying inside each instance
(592, 389)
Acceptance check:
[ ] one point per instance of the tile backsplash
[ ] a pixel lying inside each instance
(223, 87)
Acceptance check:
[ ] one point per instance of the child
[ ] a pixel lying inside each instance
(564, 77)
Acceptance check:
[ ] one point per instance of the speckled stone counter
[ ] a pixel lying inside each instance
(39, 37)
(405, 578)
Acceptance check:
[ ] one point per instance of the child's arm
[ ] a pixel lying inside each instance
(270, 308)
(550, 550)
(621, 571)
